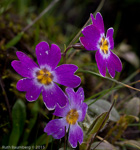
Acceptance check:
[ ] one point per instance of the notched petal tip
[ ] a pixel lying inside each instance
(17, 66)
(63, 105)
(99, 23)
(80, 93)
(18, 53)
(56, 128)
(65, 75)
(40, 47)
(69, 90)
(75, 135)
(80, 90)
(53, 96)
(21, 56)
(62, 111)
(13, 63)
(91, 37)
(99, 16)
(73, 67)
(92, 17)
(46, 55)
(54, 46)
(43, 43)
(77, 81)
(82, 112)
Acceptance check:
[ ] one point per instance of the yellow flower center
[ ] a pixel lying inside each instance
(104, 45)
(72, 116)
(44, 76)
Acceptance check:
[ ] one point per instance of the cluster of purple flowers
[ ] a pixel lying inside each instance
(45, 76)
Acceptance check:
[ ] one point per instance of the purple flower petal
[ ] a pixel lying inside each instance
(27, 61)
(26, 66)
(92, 36)
(80, 94)
(21, 69)
(48, 56)
(75, 135)
(101, 63)
(75, 98)
(111, 67)
(92, 19)
(98, 22)
(56, 128)
(65, 75)
(113, 63)
(82, 111)
(30, 87)
(62, 112)
(116, 61)
(109, 35)
(54, 95)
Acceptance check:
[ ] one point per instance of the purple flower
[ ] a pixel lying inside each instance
(74, 112)
(95, 39)
(43, 78)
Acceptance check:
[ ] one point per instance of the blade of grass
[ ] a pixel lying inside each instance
(17, 38)
(116, 87)
(88, 21)
(108, 90)
(40, 15)
(75, 39)
(104, 92)
(1, 126)
(118, 82)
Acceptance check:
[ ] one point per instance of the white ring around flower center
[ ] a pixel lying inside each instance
(104, 46)
(39, 84)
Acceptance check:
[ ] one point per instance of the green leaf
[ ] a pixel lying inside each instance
(131, 118)
(42, 140)
(5, 5)
(97, 123)
(34, 114)
(101, 106)
(133, 107)
(14, 41)
(19, 117)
